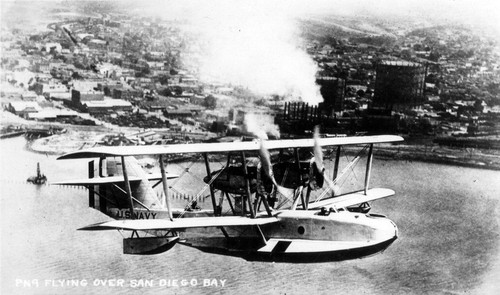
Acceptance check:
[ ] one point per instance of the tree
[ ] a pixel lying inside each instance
(210, 102)
(434, 56)
(163, 79)
(478, 106)
(166, 92)
(76, 76)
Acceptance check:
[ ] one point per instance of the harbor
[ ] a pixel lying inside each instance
(226, 147)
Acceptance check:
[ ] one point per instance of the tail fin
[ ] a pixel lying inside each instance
(141, 189)
(107, 186)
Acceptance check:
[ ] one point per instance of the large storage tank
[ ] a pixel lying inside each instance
(399, 85)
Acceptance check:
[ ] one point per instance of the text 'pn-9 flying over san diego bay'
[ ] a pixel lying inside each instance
(281, 203)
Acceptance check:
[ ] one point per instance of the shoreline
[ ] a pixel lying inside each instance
(75, 140)
(438, 160)
(59, 144)
(461, 157)
(79, 137)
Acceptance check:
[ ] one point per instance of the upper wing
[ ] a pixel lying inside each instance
(179, 223)
(224, 146)
(353, 198)
(111, 179)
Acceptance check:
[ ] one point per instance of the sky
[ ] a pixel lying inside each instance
(485, 12)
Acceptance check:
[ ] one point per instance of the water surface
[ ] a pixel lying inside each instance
(448, 219)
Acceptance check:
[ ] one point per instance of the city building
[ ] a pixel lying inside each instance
(106, 106)
(23, 108)
(333, 92)
(175, 114)
(49, 88)
(79, 96)
(29, 96)
(51, 115)
(127, 94)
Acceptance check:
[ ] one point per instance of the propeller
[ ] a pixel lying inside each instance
(267, 167)
(265, 161)
(318, 152)
(317, 169)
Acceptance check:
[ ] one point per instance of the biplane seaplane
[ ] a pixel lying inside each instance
(318, 224)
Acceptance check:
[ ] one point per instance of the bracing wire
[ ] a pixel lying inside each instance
(202, 191)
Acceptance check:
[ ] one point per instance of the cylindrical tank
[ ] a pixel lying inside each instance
(399, 84)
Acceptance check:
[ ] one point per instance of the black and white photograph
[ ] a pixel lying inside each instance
(249, 147)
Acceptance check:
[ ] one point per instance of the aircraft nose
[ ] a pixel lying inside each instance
(391, 229)
(396, 230)
(386, 229)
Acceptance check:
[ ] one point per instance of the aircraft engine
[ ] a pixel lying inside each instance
(316, 177)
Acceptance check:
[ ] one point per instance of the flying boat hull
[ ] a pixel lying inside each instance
(301, 236)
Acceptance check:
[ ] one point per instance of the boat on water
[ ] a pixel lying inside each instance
(39, 178)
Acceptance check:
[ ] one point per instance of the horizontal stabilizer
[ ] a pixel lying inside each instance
(111, 179)
(179, 223)
(116, 151)
(353, 198)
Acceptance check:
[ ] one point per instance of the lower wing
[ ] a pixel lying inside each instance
(353, 198)
(179, 223)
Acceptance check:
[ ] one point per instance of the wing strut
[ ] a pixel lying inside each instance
(212, 193)
(127, 187)
(301, 181)
(165, 187)
(337, 160)
(103, 198)
(261, 234)
(332, 184)
(125, 193)
(247, 184)
(308, 195)
(368, 168)
(91, 187)
(229, 201)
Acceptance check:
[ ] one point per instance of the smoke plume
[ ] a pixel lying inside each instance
(253, 44)
(257, 49)
(261, 125)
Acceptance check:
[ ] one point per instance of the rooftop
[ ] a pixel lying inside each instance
(400, 63)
